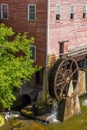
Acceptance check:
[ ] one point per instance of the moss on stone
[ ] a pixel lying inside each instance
(2, 121)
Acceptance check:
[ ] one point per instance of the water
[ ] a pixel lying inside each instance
(11, 114)
(53, 117)
(77, 122)
(84, 103)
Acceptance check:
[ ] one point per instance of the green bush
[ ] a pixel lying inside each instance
(13, 69)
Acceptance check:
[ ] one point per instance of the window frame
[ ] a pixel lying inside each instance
(72, 12)
(58, 10)
(34, 52)
(84, 11)
(2, 16)
(32, 12)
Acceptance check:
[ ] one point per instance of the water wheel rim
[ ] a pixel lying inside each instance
(58, 90)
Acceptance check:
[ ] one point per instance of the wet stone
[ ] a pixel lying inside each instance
(28, 113)
(2, 121)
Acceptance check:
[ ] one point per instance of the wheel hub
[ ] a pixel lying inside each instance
(67, 79)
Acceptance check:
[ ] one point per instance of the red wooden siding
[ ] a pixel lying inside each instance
(72, 30)
(18, 19)
(75, 30)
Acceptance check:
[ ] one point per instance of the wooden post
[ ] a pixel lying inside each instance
(86, 80)
(69, 106)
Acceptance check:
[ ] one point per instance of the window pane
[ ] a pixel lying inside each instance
(57, 16)
(84, 9)
(32, 12)
(32, 9)
(84, 15)
(5, 11)
(32, 16)
(33, 49)
(71, 12)
(57, 9)
(71, 16)
(71, 9)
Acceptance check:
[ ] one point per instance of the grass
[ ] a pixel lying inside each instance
(77, 122)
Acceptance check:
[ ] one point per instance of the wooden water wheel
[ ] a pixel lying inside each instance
(64, 71)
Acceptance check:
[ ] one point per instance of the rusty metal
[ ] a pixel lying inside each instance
(61, 75)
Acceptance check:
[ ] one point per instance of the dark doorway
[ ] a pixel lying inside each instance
(61, 48)
(37, 77)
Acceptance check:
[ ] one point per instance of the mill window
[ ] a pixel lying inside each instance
(71, 12)
(31, 12)
(4, 11)
(57, 12)
(33, 51)
(84, 11)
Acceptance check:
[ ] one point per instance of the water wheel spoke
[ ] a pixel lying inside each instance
(58, 77)
(57, 88)
(71, 65)
(61, 93)
(69, 72)
(66, 63)
(66, 87)
(74, 81)
(60, 88)
(60, 73)
(59, 84)
(65, 73)
(73, 72)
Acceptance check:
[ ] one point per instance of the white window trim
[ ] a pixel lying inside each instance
(28, 11)
(35, 52)
(2, 11)
(85, 11)
(59, 9)
(72, 12)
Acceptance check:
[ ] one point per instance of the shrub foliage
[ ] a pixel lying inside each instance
(14, 67)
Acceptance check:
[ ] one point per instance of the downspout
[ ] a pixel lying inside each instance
(45, 75)
(47, 31)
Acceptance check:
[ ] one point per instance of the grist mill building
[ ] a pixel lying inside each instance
(58, 26)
